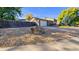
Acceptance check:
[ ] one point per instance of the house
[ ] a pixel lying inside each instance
(51, 21)
(44, 22)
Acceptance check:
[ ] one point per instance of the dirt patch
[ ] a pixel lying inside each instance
(23, 40)
(23, 36)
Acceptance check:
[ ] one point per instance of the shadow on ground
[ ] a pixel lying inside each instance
(61, 40)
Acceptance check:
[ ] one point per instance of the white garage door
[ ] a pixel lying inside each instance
(43, 23)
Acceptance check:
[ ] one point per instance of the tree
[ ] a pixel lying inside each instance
(29, 16)
(9, 13)
(69, 16)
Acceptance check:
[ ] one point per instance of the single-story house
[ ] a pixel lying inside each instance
(44, 22)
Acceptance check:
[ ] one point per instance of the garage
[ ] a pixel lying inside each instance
(43, 23)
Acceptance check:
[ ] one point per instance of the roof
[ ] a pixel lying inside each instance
(48, 19)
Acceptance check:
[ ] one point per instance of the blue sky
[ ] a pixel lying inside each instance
(42, 12)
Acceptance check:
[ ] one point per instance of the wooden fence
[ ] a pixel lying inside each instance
(14, 24)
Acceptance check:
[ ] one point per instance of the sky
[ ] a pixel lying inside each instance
(42, 12)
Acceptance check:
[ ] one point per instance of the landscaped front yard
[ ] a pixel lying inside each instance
(54, 39)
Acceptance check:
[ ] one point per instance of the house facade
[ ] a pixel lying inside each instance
(44, 22)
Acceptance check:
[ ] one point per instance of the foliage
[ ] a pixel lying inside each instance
(69, 16)
(9, 13)
(28, 16)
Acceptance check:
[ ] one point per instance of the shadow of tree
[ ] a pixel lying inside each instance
(12, 49)
(55, 36)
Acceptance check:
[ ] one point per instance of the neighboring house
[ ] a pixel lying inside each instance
(44, 22)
